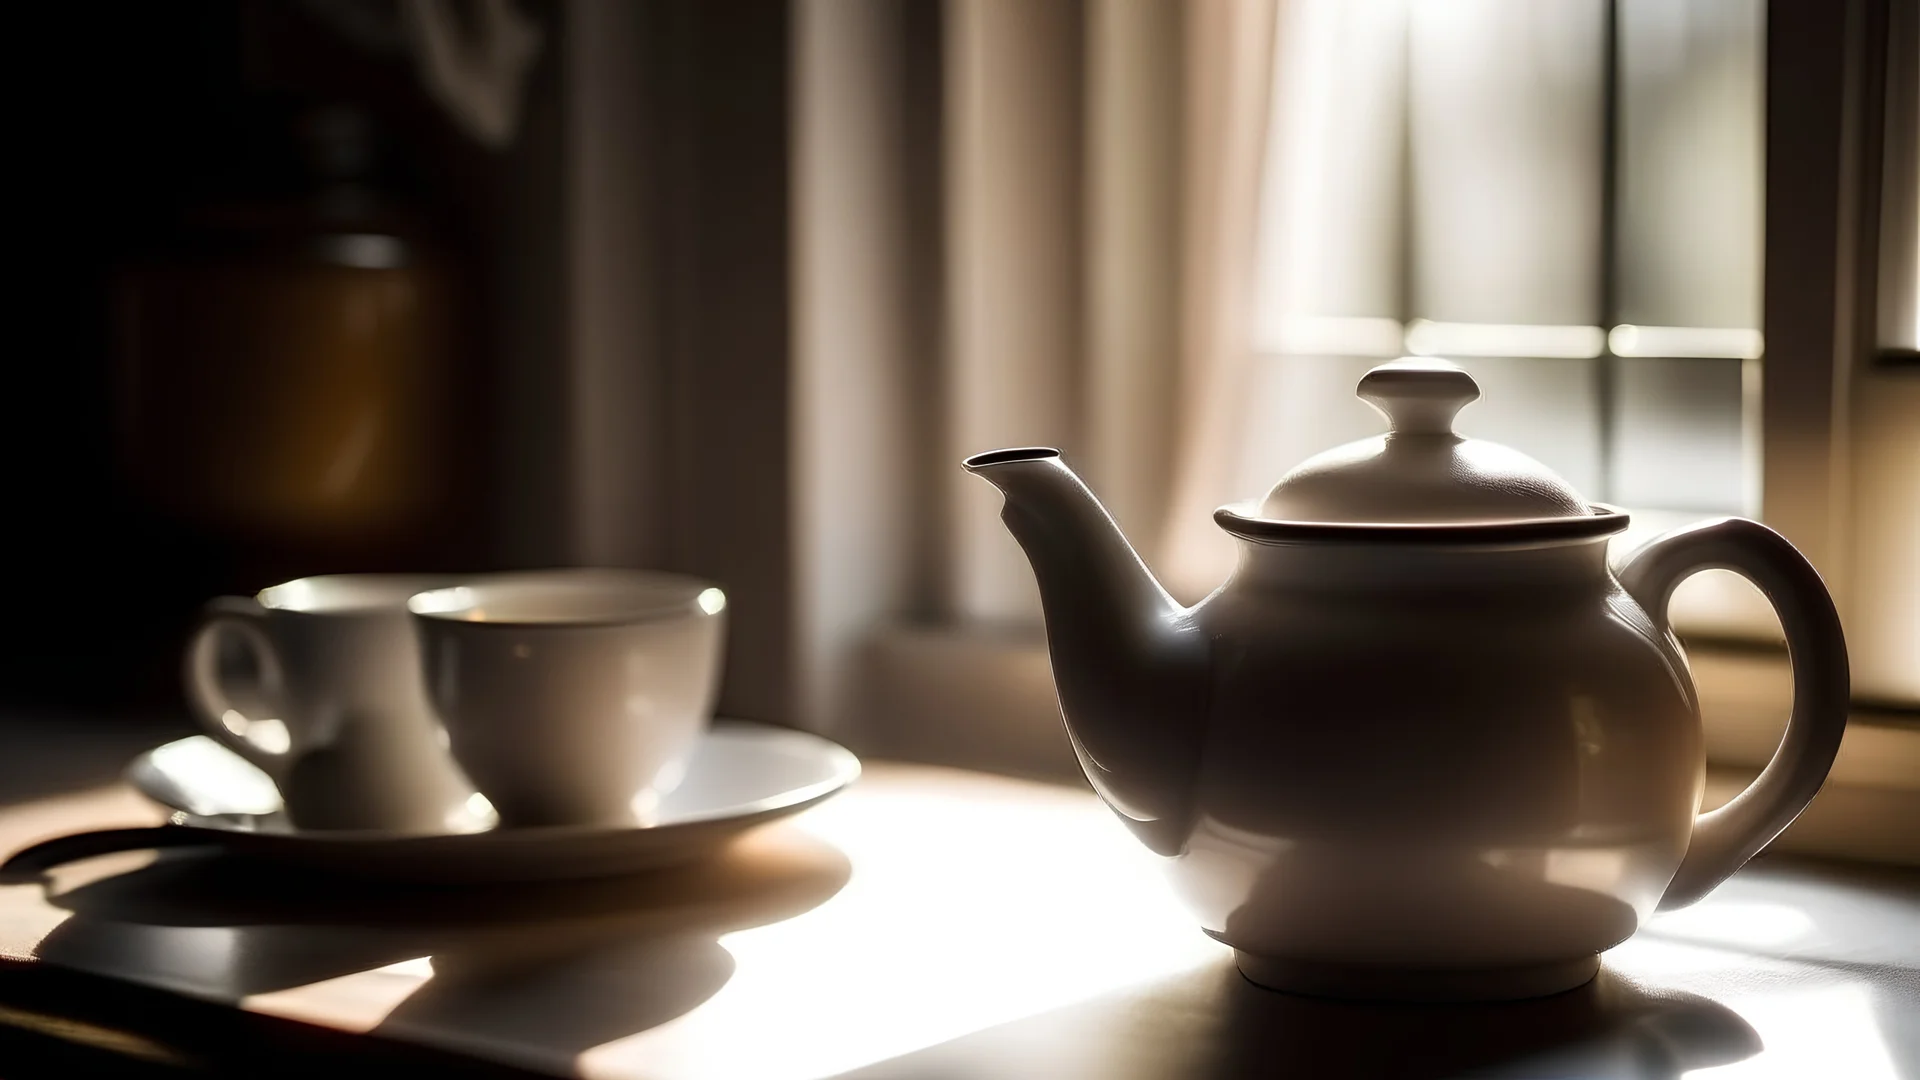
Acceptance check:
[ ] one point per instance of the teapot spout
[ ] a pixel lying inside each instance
(1129, 663)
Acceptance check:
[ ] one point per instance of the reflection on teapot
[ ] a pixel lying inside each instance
(1423, 743)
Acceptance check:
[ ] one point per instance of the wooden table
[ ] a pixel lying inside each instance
(944, 924)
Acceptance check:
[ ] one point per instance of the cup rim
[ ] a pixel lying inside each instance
(655, 596)
(397, 589)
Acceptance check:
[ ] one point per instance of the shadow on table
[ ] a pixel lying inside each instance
(1609, 1027)
(536, 973)
(1214, 1024)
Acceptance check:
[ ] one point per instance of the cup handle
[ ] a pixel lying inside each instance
(263, 741)
(1724, 839)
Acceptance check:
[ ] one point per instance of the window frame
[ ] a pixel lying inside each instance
(1826, 85)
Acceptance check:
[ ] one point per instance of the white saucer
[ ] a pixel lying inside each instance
(741, 775)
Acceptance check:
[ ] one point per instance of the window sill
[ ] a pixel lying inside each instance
(983, 699)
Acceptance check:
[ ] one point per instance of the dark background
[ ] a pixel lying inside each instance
(131, 116)
(140, 123)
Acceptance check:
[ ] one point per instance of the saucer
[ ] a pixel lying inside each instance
(740, 775)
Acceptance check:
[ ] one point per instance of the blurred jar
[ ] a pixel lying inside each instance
(284, 364)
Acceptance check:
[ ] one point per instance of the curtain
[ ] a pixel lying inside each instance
(1102, 163)
(1091, 168)
(1015, 222)
(1231, 46)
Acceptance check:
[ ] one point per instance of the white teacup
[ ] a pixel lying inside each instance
(573, 697)
(337, 716)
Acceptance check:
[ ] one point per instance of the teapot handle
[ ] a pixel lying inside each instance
(1724, 839)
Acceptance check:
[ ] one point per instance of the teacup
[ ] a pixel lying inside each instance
(573, 697)
(336, 715)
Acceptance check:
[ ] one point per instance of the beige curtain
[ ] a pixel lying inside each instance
(1230, 46)
(1102, 163)
(1015, 269)
(1096, 166)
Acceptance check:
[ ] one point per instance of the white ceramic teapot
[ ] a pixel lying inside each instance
(1423, 743)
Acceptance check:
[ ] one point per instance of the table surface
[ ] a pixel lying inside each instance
(938, 923)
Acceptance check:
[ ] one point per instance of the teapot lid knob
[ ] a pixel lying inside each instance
(1418, 395)
(1421, 472)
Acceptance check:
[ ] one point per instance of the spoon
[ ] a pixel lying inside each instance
(217, 799)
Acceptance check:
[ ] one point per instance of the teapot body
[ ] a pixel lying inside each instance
(1477, 766)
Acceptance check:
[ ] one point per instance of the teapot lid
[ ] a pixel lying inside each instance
(1420, 473)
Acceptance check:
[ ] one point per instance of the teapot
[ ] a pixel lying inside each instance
(1423, 744)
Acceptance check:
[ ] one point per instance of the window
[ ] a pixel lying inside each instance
(1564, 197)
(1570, 200)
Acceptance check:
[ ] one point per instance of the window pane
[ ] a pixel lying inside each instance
(1690, 162)
(1330, 227)
(1548, 408)
(1679, 435)
(1506, 110)
(1690, 171)
(1502, 106)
